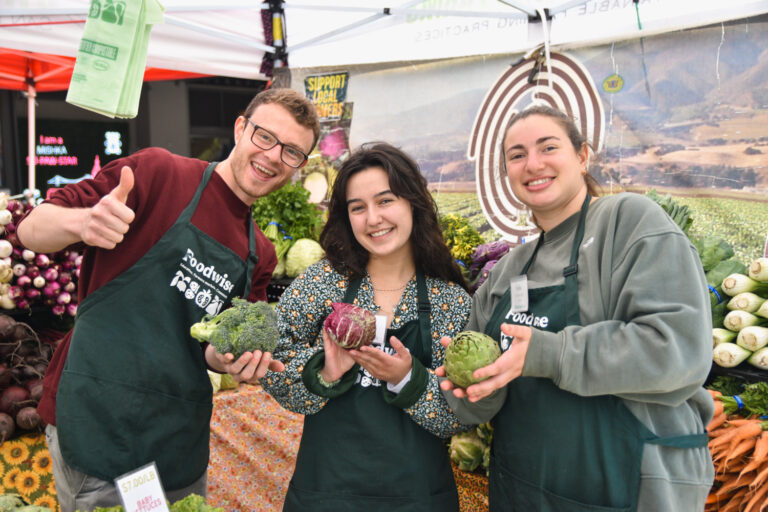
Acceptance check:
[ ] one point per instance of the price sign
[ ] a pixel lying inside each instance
(141, 490)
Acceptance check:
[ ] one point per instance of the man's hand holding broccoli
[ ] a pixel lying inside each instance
(241, 339)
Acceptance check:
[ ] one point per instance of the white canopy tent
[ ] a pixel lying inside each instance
(228, 38)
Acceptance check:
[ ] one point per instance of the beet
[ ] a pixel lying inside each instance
(28, 419)
(6, 323)
(35, 388)
(13, 398)
(7, 427)
(5, 376)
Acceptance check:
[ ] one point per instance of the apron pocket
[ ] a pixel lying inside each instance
(510, 489)
(297, 500)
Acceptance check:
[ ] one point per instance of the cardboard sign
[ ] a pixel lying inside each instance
(142, 491)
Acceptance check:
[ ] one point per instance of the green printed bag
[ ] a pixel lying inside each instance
(109, 69)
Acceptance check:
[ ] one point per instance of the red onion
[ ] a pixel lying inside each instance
(22, 303)
(24, 281)
(19, 269)
(31, 294)
(38, 282)
(51, 289)
(33, 271)
(50, 274)
(70, 287)
(72, 309)
(28, 255)
(10, 228)
(42, 260)
(64, 278)
(350, 326)
(58, 309)
(64, 298)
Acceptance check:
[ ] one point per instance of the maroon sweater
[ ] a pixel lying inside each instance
(164, 185)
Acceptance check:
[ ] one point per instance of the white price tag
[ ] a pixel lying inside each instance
(518, 294)
(141, 490)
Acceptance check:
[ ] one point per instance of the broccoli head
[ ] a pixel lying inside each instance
(244, 327)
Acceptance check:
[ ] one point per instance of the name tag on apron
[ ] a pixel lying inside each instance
(518, 294)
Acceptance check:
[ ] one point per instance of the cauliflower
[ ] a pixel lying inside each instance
(244, 327)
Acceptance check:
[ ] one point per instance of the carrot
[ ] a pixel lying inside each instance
(734, 503)
(735, 436)
(761, 476)
(730, 486)
(756, 498)
(712, 498)
(719, 408)
(714, 393)
(740, 422)
(760, 453)
(716, 422)
(743, 447)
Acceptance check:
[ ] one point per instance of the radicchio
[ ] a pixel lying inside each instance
(350, 326)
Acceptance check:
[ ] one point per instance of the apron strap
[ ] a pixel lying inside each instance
(351, 293)
(685, 441)
(425, 309)
(253, 258)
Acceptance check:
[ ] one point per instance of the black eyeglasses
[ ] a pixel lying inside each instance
(264, 139)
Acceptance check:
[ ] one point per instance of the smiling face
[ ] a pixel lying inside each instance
(252, 172)
(545, 171)
(381, 221)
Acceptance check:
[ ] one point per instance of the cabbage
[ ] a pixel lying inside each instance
(303, 253)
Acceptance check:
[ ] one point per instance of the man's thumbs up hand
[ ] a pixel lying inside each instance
(108, 220)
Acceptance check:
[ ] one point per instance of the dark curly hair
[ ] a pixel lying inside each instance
(430, 252)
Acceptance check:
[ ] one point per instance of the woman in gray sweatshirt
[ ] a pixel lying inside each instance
(597, 400)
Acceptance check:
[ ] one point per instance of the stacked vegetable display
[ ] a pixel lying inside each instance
(743, 333)
(23, 361)
(30, 280)
(739, 446)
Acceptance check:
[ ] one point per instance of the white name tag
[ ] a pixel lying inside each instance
(518, 294)
(141, 490)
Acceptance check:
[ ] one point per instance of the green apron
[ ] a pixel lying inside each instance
(135, 387)
(554, 450)
(360, 454)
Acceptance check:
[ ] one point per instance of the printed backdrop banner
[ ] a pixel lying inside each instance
(685, 113)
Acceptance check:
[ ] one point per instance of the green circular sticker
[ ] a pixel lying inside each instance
(613, 83)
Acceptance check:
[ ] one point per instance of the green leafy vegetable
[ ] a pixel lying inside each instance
(290, 208)
(680, 214)
(727, 385)
(193, 503)
(244, 327)
(712, 250)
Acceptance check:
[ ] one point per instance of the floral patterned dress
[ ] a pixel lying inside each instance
(302, 310)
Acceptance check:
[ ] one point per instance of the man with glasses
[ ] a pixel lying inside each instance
(166, 240)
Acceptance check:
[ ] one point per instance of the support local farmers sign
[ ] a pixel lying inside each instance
(328, 93)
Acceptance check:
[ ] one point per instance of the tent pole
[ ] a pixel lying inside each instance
(31, 95)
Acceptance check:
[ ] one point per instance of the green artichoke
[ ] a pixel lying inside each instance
(467, 450)
(468, 351)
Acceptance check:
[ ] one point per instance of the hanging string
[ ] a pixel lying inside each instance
(637, 13)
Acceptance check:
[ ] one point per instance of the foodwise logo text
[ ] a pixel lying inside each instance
(202, 283)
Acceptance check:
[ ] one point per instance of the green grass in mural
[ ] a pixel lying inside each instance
(743, 223)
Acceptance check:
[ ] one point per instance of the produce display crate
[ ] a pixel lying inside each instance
(276, 287)
(744, 371)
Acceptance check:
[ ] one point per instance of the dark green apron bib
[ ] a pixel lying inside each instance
(360, 454)
(554, 450)
(134, 387)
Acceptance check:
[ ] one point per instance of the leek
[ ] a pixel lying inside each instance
(737, 320)
(760, 359)
(720, 335)
(746, 301)
(753, 338)
(758, 270)
(735, 284)
(729, 355)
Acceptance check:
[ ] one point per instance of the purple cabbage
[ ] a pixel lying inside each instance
(350, 326)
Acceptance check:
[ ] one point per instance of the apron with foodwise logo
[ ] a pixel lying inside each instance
(359, 453)
(135, 387)
(554, 450)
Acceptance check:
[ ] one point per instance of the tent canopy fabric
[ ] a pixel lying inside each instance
(227, 38)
